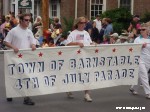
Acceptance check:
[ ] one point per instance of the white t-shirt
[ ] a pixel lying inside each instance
(20, 38)
(145, 52)
(98, 24)
(63, 42)
(79, 36)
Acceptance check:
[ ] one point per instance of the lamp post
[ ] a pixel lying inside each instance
(45, 15)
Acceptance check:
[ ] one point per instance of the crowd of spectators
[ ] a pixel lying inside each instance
(100, 31)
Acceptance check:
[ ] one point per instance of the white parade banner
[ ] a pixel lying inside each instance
(63, 69)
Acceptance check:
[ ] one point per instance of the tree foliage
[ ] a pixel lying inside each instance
(120, 17)
(68, 24)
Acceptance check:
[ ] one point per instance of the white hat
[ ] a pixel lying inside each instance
(123, 37)
(125, 34)
(114, 35)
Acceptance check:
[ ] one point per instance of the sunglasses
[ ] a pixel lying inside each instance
(26, 20)
(142, 29)
(82, 22)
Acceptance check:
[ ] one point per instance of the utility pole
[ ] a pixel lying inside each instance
(45, 14)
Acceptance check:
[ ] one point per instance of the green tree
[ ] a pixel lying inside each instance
(67, 25)
(146, 17)
(120, 17)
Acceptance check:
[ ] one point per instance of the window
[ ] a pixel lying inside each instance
(96, 7)
(37, 5)
(125, 4)
(54, 8)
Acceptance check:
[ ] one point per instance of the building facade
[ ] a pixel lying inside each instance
(1, 7)
(75, 8)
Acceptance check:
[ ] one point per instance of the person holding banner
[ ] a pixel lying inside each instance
(80, 37)
(144, 64)
(21, 37)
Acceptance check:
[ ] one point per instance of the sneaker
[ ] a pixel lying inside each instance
(28, 101)
(87, 98)
(9, 99)
(133, 91)
(148, 96)
(70, 95)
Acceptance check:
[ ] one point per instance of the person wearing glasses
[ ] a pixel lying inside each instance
(80, 37)
(144, 64)
(21, 37)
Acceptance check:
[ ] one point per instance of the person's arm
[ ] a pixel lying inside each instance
(75, 43)
(33, 46)
(11, 46)
(130, 27)
(144, 45)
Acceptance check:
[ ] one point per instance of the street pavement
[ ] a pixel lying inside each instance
(104, 100)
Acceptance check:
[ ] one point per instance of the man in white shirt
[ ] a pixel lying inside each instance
(98, 22)
(21, 37)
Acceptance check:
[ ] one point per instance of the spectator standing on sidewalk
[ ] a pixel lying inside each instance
(94, 33)
(101, 33)
(109, 28)
(98, 22)
(88, 26)
(21, 37)
(134, 26)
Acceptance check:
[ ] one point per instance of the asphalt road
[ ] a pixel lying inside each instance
(104, 100)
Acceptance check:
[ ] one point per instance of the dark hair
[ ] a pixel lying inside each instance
(12, 15)
(51, 41)
(97, 15)
(64, 36)
(109, 20)
(56, 20)
(3, 19)
(136, 16)
(21, 17)
(44, 40)
(12, 23)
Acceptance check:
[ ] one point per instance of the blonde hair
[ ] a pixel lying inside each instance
(36, 20)
(76, 21)
(146, 26)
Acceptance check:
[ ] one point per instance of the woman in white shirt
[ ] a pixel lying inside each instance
(80, 37)
(144, 64)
